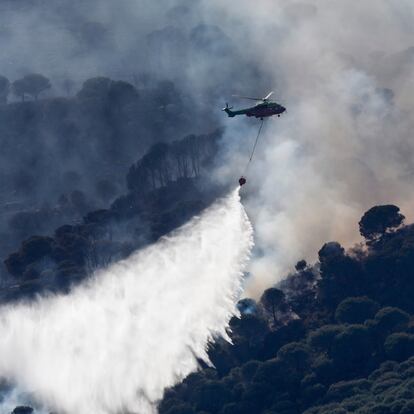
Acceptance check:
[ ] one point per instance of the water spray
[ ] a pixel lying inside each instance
(136, 328)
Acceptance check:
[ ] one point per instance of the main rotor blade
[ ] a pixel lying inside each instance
(247, 97)
(268, 96)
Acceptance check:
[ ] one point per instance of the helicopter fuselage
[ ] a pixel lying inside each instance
(261, 110)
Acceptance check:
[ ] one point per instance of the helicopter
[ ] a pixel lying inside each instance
(264, 108)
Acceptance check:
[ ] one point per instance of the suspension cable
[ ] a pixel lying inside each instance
(254, 147)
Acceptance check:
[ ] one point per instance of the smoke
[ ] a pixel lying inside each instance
(139, 326)
(345, 75)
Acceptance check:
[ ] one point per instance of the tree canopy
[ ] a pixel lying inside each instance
(379, 220)
(32, 84)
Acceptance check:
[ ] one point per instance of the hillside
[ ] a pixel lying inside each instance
(336, 337)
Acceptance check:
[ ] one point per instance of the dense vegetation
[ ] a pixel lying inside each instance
(336, 337)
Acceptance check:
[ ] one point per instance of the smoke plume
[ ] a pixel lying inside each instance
(137, 327)
(345, 144)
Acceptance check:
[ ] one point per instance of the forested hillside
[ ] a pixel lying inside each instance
(110, 147)
(65, 156)
(336, 337)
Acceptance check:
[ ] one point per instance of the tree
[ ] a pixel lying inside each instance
(325, 369)
(157, 163)
(389, 319)
(293, 331)
(36, 247)
(379, 220)
(323, 337)
(21, 409)
(271, 300)
(270, 372)
(301, 265)
(19, 88)
(4, 89)
(356, 310)
(330, 251)
(295, 354)
(249, 369)
(180, 153)
(33, 84)
(352, 348)
(341, 274)
(211, 396)
(95, 88)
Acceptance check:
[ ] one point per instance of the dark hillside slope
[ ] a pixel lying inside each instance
(166, 188)
(64, 156)
(337, 337)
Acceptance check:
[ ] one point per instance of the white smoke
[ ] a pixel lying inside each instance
(138, 327)
(345, 75)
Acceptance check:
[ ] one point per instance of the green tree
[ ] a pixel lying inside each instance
(211, 396)
(95, 88)
(23, 410)
(323, 337)
(36, 84)
(353, 347)
(271, 300)
(295, 354)
(388, 320)
(379, 220)
(356, 310)
(340, 274)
